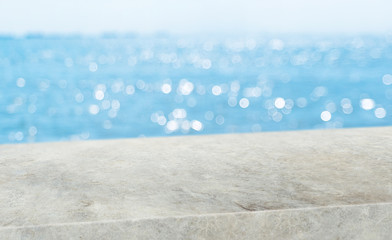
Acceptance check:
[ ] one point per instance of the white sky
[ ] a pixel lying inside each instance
(195, 16)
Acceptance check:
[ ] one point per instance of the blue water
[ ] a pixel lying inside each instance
(56, 88)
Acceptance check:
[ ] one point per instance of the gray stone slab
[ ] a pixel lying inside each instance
(280, 185)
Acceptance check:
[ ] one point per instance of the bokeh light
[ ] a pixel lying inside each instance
(92, 87)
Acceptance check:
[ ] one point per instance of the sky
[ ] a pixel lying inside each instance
(195, 16)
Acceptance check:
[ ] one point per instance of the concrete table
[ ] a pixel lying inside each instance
(324, 184)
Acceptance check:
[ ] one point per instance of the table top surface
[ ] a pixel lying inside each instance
(67, 182)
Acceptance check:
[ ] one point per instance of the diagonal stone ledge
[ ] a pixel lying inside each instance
(324, 184)
(367, 221)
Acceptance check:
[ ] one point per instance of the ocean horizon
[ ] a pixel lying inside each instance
(56, 87)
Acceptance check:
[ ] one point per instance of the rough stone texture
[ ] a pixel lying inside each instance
(327, 184)
(365, 222)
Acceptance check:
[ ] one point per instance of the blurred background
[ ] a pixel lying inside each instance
(77, 70)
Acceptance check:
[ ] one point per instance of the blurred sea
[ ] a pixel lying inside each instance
(56, 88)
